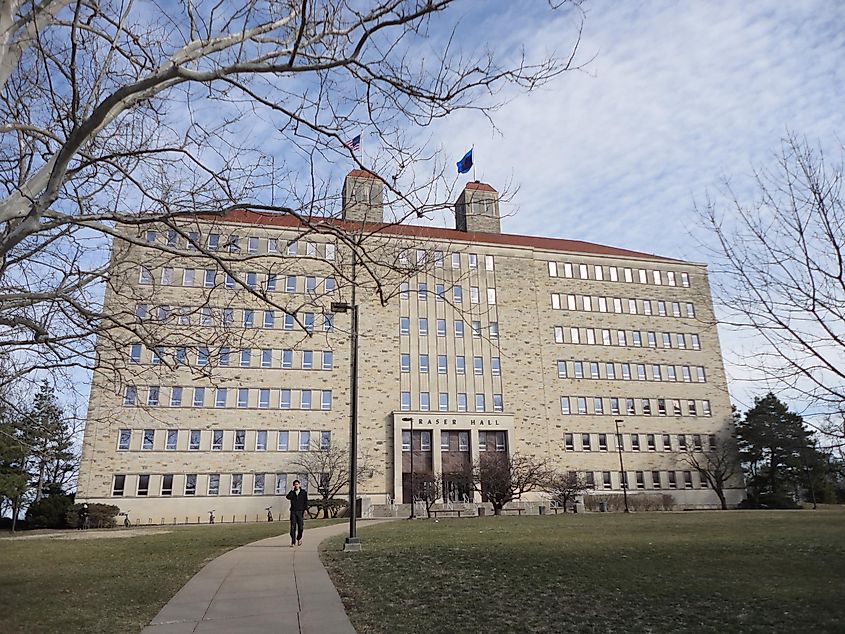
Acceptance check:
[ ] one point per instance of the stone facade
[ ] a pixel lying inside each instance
(526, 347)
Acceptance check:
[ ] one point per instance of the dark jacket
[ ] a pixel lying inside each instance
(298, 502)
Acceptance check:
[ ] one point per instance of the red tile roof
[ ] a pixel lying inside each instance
(361, 174)
(479, 185)
(245, 216)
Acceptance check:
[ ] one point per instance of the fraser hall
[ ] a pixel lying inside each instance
(232, 370)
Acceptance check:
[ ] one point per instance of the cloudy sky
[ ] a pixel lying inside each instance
(679, 96)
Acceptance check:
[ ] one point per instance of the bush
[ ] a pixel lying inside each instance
(100, 515)
(333, 505)
(769, 501)
(50, 511)
(636, 501)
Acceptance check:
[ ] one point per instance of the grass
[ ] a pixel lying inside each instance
(758, 571)
(109, 585)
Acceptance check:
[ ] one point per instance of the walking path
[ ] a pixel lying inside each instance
(265, 587)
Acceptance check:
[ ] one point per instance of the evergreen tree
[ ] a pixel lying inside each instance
(776, 451)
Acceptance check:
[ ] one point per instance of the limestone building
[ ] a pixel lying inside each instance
(489, 343)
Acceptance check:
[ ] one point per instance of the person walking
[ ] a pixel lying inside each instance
(298, 505)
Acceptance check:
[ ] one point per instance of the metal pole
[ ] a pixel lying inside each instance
(413, 515)
(352, 542)
(622, 466)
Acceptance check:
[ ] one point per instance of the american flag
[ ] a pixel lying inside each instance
(354, 144)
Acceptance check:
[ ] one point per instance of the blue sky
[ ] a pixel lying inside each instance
(679, 96)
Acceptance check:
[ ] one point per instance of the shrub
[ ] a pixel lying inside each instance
(50, 511)
(636, 501)
(100, 515)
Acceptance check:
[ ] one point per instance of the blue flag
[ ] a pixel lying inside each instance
(465, 164)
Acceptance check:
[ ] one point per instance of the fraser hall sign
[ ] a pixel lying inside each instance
(462, 421)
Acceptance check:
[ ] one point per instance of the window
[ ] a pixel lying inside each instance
(135, 353)
(406, 441)
(676, 407)
(290, 283)
(696, 342)
(610, 371)
(498, 403)
(667, 442)
(205, 317)
(630, 408)
(673, 484)
(141, 312)
(310, 284)
(292, 248)
(423, 364)
(202, 356)
(462, 402)
(457, 294)
(650, 442)
(443, 401)
(305, 399)
(331, 249)
(441, 364)
(564, 405)
(282, 441)
(691, 408)
(582, 272)
(422, 291)
(626, 371)
(575, 335)
(587, 302)
(269, 318)
(441, 327)
(558, 334)
(439, 292)
(214, 484)
(687, 479)
(264, 398)
(585, 442)
(635, 442)
(641, 372)
(561, 369)
(240, 440)
(258, 484)
(685, 280)
(308, 321)
(307, 359)
(652, 340)
(690, 311)
(266, 358)
(167, 485)
(328, 322)
(330, 285)
(473, 294)
(569, 442)
(594, 370)
(246, 358)
(579, 369)
(602, 442)
(640, 479)
(288, 322)
(636, 338)
(655, 372)
(670, 373)
(145, 276)
(118, 485)
(328, 360)
(325, 440)
(478, 365)
(491, 296)
(237, 484)
(403, 290)
(404, 325)
(405, 401)
(261, 440)
(124, 436)
(646, 307)
(153, 395)
(661, 407)
(425, 402)
(425, 441)
(325, 399)
(582, 404)
(570, 302)
(194, 440)
(705, 407)
(191, 484)
(598, 405)
(552, 269)
(496, 366)
(143, 485)
(459, 329)
(699, 372)
(304, 440)
(171, 439)
(686, 373)
(423, 327)
(476, 329)
(460, 365)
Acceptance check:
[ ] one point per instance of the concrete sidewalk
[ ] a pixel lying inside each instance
(266, 586)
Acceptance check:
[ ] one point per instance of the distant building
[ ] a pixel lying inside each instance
(499, 343)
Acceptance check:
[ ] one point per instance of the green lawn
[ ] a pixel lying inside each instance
(736, 571)
(109, 585)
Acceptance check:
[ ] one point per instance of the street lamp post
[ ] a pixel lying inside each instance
(352, 542)
(410, 419)
(622, 465)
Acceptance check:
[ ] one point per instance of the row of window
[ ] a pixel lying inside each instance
(623, 338)
(220, 440)
(487, 440)
(683, 442)
(443, 405)
(244, 358)
(633, 407)
(209, 278)
(441, 324)
(656, 480)
(221, 397)
(193, 484)
(254, 245)
(644, 372)
(457, 293)
(632, 306)
(247, 317)
(630, 275)
(442, 364)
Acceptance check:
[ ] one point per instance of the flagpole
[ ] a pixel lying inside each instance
(472, 149)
